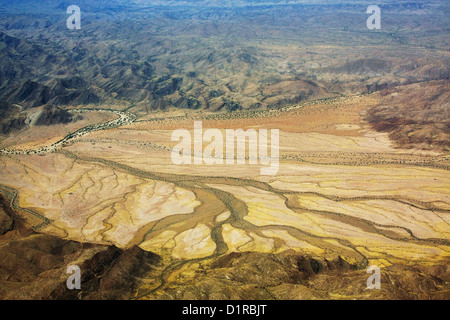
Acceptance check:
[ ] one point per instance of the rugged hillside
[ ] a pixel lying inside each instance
(182, 55)
(11, 119)
(291, 276)
(54, 115)
(33, 266)
(415, 116)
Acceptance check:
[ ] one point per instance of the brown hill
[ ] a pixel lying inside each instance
(415, 116)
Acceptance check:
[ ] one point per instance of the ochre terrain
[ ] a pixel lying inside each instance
(344, 198)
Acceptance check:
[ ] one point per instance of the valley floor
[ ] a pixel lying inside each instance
(343, 199)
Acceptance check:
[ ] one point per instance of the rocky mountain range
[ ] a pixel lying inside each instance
(264, 55)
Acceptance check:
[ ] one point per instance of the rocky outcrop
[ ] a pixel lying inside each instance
(54, 115)
(11, 119)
